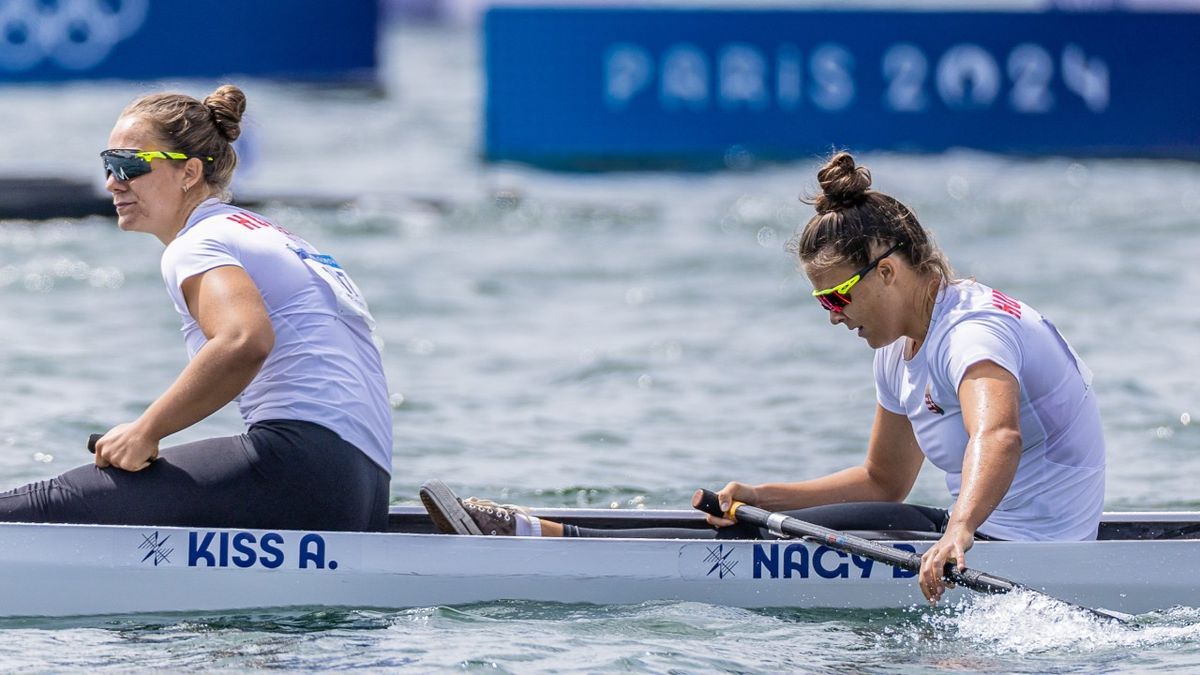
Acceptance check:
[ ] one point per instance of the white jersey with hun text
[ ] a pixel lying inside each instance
(325, 367)
(1058, 490)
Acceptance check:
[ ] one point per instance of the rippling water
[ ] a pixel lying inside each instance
(614, 339)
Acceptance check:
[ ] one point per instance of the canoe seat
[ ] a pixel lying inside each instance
(1116, 530)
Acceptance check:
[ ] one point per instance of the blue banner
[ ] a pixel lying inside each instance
(53, 40)
(596, 88)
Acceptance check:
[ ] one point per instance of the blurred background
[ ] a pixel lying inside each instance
(569, 219)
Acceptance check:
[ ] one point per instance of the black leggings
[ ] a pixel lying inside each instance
(849, 516)
(281, 474)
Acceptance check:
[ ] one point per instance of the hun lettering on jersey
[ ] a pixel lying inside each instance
(1011, 306)
(1006, 304)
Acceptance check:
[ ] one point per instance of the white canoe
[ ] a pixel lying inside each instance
(1145, 561)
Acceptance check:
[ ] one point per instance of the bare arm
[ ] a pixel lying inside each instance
(990, 398)
(230, 311)
(888, 473)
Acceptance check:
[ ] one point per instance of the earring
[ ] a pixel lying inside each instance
(185, 189)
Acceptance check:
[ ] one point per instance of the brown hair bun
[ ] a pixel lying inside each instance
(843, 184)
(227, 104)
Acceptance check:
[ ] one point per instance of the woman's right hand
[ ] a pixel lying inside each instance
(126, 447)
(732, 492)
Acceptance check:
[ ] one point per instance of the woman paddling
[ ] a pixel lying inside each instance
(269, 322)
(976, 381)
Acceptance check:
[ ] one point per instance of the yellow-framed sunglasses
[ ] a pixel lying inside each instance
(129, 163)
(835, 299)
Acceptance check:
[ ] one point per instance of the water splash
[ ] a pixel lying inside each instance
(1029, 624)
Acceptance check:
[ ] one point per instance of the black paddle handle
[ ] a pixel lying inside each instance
(709, 504)
(92, 442)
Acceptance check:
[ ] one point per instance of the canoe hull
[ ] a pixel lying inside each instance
(56, 570)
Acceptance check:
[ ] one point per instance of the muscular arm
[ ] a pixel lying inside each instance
(888, 473)
(230, 311)
(990, 397)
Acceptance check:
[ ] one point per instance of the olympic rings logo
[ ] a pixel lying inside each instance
(75, 34)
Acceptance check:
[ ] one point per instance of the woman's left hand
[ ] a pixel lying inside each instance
(125, 447)
(952, 547)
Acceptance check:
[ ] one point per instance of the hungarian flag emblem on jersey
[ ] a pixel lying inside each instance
(929, 403)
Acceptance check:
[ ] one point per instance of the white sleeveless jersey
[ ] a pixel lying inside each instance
(1058, 490)
(324, 367)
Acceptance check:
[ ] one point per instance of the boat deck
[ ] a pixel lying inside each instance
(1114, 527)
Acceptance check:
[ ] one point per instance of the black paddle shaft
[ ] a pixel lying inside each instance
(865, 548)
(92, 442)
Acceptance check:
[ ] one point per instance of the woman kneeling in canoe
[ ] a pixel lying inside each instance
(268, 321)
(977, 381)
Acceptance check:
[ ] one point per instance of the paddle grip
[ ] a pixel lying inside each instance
(710, 504)
(92, 442)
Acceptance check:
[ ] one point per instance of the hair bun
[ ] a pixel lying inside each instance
(227, 104)
(843, 184)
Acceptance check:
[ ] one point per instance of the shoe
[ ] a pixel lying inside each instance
(468, 516)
